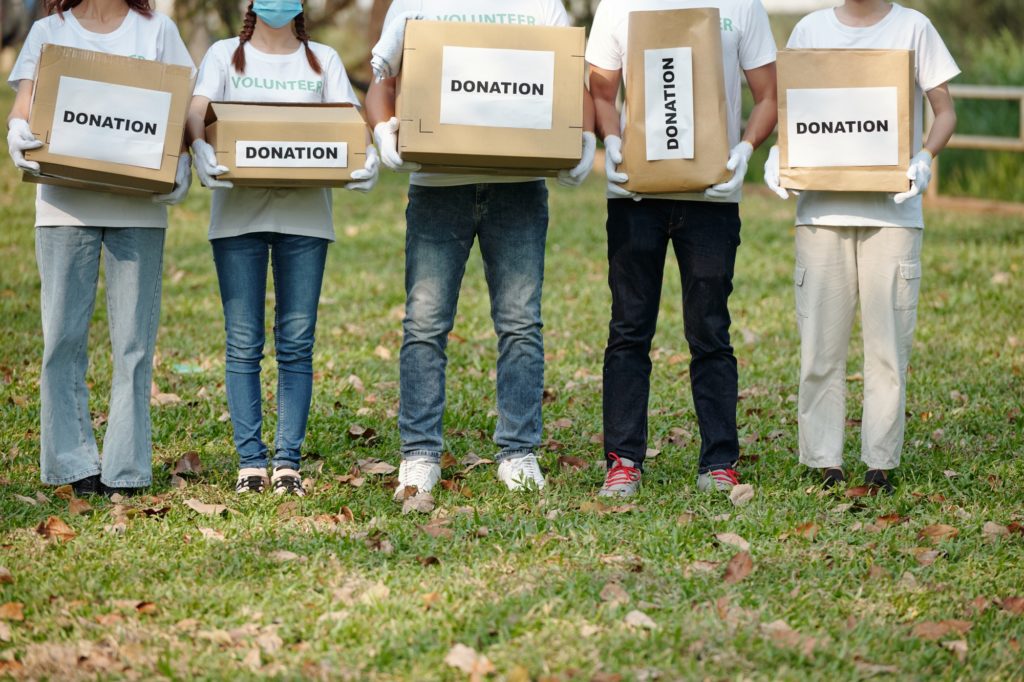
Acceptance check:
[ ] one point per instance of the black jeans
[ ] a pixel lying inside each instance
(705, 236)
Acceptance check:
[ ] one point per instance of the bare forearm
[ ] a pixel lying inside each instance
(380, 102)
(22, 101)
(761, 123)
(942, 129)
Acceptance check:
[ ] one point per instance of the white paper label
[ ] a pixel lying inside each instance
(842, 127)
(290, 154)
(668, 103)
(497, 88)
(107, 122)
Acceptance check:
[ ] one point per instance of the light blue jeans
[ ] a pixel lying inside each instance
(511, 222)
(298, 265)
(69, 264)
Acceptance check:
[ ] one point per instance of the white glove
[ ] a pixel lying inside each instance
(386, 56)
(19, 140)
(920, 174)
(182, 183)
(207, 167)
(612, 158)
(739, 157)
(385, 134)
(366, 177)
(771, 173)
(574, 177)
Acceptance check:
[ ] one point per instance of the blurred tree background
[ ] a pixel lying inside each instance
(984, 36)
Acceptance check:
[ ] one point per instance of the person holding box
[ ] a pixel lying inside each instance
(704, 230)
(866, 247)
(445, 215)
(74, 229)
(272, 60)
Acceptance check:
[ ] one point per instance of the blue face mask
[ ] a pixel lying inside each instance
(277, 13)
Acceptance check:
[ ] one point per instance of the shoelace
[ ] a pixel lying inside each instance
(527, 467)
(726, 476)
(417, 472)
(620, 474)
(290, 484)
(250, 483)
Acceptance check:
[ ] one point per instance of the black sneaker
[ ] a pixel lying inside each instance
(251, 480)
(123, 492)
(287, 482)
(831, 477)
(90, 485)
(879, 479)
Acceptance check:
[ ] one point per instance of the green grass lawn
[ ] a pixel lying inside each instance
(286, 590)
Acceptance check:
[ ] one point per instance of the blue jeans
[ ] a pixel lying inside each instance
(705, 236)
(511, 222)
(69, 267)
(298, 264)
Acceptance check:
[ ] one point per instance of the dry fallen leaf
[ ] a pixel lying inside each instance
(283, 556)
(5, 636)
(783, 635)
(685, 518)
(925, 556)
(571, 463)
(614, 594)
(448, 461)
(738, 568)
(700, 567)
(163, 399)
(639, 619)
(12, 610)
(734, 540)
(188, 464)
(466, 659)
(5, 576)
(64, 492)
(375, 467)
(438, 528)
(807, 530)
(203, 508)
(958, 647)
(937, 630)
(741, 494)
(79, 507)
(26, 500)
(563, 423)
(211, 534)
(862, 491)
(993, 531)
(54, 528)
(382, 353)
(938, 532)
(1014, 605)
(420, 503)
(359, 432)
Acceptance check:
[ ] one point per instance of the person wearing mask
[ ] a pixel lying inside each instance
(445, 215)
(704, 230)
(864, 247)
(75, 229)
(272, 60)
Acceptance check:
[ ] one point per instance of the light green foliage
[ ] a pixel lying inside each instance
(527, 592)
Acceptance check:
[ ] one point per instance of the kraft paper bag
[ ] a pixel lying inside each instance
(845, 119)
(676, 137)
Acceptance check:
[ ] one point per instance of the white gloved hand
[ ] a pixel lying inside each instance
(612, 158)
(182, 183)
(386, 56)
(207, 167)
(739, 158)
(20, 140)
(574, 177)
(771, 173)
(920, 174)
(385, 134)
(365, 178)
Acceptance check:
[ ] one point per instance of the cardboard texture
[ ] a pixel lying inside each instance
(873, 95)
(653, 37)
(491, 99)
(287, 145)
(127, 116)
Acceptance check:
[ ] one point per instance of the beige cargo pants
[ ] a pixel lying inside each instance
(835, 268)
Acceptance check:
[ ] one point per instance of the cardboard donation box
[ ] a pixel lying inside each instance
(287, 145)
(491, 98)
(676, 137)
(845, 119)
(108, 123)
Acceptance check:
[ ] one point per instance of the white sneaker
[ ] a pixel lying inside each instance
(521, 472)
(422, 474)
(251, 480)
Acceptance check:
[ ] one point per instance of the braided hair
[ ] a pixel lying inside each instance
(61, 6)
(245, 35)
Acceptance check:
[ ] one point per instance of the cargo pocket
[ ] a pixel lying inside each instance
(799, 274)
(908, 285)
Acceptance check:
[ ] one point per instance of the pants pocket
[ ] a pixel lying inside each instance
(908, 285)
(799, 275)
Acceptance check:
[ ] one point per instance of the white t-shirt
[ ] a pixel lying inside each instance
(272, 78)
(747, 43)
(901, 29)
(155, 38)
(517, 12)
